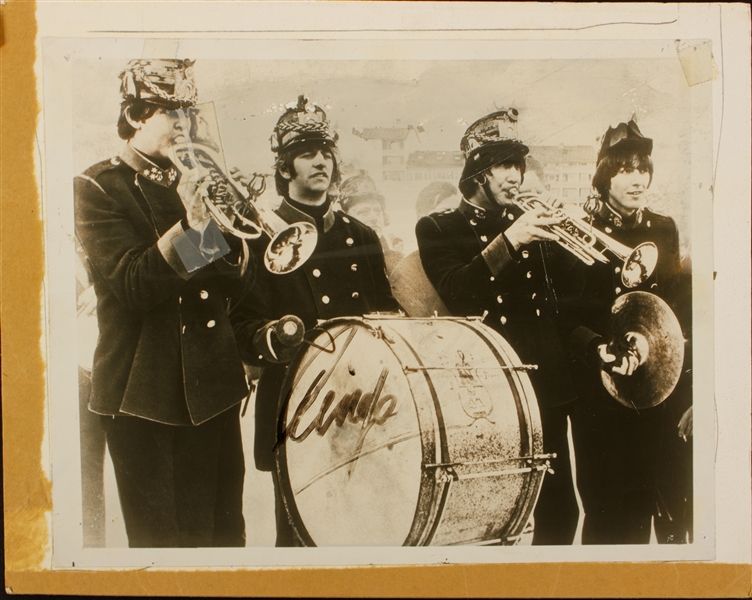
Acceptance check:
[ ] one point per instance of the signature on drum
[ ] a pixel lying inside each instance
(367, 409)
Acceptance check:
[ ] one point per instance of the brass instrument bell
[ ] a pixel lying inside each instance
(589, 243)
(195, 144)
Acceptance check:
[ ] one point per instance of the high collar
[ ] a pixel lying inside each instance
(292, 215)
(473, 211)
(141, 163)
(608, 214)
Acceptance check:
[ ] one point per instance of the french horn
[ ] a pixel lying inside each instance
(234, 207)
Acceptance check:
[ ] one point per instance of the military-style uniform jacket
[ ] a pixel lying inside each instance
(166, 350)
(595, 288)
(475, 272)
(345, 276)
(619, 449)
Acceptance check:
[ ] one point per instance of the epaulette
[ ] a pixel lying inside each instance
(97, 169)
(437, 213)
(655, 214)
(349, 218)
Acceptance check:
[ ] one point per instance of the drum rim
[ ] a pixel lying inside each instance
(431, 492)
(527, 418)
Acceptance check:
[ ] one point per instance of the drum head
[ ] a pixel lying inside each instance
(350, 459)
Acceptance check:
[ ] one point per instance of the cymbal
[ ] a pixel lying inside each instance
(656, 338)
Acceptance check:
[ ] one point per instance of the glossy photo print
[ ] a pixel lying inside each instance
(399, 301)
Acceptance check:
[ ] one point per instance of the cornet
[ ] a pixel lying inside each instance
(237, 210)
(589, 243)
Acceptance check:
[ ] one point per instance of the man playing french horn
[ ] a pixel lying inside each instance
(491, 258)
(167, 377)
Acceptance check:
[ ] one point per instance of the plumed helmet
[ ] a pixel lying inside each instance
(490, 141)
(304, 122)
(166, 82)
(625, 137)
(358, 188)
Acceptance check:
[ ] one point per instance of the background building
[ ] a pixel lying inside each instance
(430, 166)
(389, 150)
(568, 169)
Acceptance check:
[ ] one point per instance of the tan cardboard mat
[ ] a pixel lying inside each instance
(394, 85)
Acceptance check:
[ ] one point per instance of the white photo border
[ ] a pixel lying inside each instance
(58, 56)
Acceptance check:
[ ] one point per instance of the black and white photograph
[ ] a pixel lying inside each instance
(323, 299)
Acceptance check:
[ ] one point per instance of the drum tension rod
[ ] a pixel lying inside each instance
(535, 457)
(459, 368)
(449, 474)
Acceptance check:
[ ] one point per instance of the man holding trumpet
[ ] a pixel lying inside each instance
(490, 257)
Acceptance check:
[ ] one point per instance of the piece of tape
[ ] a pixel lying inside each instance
(200, 245)
(696, 61)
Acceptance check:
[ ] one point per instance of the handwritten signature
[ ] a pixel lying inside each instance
(368, 409)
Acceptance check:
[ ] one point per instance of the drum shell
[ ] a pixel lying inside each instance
(473, 410)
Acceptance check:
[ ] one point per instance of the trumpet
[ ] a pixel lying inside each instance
(589, 243)
(237, 211)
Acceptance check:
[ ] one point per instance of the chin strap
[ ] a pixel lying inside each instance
(593, 205)
(486, 187)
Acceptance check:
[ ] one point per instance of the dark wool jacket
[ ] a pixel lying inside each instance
(345, 276)
(476, 272)
(593, 290)
(166, 350)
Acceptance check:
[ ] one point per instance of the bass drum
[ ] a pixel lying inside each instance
(397, 431)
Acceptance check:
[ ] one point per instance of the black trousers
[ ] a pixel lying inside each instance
(556, 513)
(673, 504)
(179, 486)
(617, 458)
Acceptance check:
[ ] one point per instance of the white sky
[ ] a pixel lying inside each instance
(561, 101)
(568, 101)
